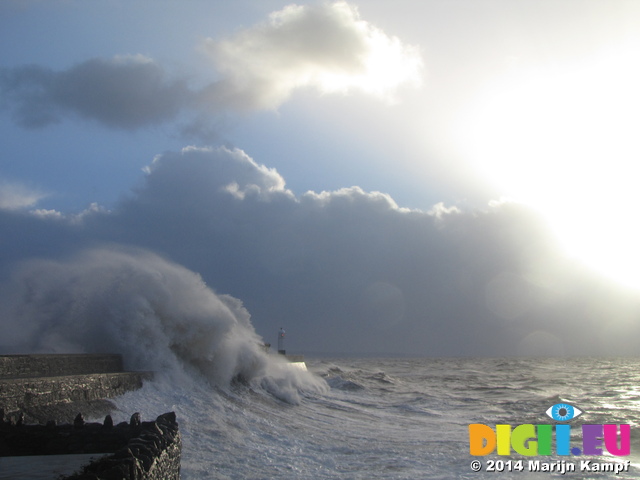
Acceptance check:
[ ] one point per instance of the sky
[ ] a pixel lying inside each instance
(413, 177)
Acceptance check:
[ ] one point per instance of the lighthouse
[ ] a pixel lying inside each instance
(296, 361)
(281, 349)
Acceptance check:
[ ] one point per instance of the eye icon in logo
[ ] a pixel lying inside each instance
(563, 412)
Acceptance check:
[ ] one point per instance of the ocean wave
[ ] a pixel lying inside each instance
(340, 383)
(159, 315)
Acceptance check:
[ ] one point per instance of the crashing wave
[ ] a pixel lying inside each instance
(159, 315)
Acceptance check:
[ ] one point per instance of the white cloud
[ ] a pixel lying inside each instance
(212, 170)
(47, 213)
(352, 195)
(327, 47)
(15, 196)
(439, 210)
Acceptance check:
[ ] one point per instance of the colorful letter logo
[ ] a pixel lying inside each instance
(530, 440)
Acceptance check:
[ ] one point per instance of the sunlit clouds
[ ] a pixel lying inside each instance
(327, 47)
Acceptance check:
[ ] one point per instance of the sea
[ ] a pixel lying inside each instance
(393, 418)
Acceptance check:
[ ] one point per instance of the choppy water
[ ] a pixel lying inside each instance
(389, 418)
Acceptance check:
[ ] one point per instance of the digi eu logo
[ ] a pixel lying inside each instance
(530, 440)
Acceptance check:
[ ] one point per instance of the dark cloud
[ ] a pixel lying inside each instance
(123, 92)
(349, 270)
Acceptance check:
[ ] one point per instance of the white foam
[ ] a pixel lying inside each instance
(159, 315)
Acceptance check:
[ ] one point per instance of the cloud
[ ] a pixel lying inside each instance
(122, 92)
(350, 271)
(327, 47)
(193, 166)
(15, 196)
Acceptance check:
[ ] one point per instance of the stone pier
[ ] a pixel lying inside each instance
(57, 390)
(43, 385)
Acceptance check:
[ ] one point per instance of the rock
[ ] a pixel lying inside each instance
(135, 420)
(108, 422)
(78, 422)
(169, 417)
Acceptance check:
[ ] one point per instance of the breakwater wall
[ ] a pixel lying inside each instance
(30, 382)
(138, 450)
(54, 365)
(23, 394)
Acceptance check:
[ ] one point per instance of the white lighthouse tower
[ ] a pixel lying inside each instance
(281, 334)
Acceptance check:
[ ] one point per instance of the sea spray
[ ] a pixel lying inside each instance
(159, 315)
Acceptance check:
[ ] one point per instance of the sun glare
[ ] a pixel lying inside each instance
(565, 141)
(386, 65)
